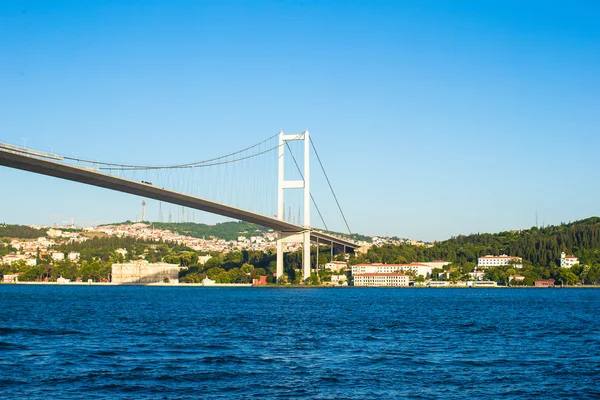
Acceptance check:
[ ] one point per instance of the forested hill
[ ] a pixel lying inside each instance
(224, 230)
(20, 232)
(230, 230)
(538, 246)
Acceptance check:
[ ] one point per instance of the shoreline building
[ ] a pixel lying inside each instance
(477, 275)
(436, 264)
(378, 268)
(11, 278)
(143, 272)
(336, 266)
(568, 261)
(380, 279)
(498, 261)
(544, 283)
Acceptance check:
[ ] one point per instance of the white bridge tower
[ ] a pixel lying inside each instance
(302, 237)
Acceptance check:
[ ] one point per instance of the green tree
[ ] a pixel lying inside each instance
(212, 263)
(247, 268)
(90, 271)
(215, 272)
(567, 276)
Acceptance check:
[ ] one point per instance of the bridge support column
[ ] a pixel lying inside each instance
(317, 263)
(302, 238)
(304, 183)
(279, 256)
(306, 255)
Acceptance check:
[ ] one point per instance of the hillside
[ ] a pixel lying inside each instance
(227, 230)
(537, 246)
(540, 249)
(20, 232)
(224, 230)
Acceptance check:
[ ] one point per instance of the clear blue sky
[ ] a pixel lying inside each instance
(435, 117)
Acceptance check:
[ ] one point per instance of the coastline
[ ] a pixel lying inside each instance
(247, 285)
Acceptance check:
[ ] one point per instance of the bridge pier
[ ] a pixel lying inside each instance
(304, 184)
(302, 237)
(306, 255)
(279, 256)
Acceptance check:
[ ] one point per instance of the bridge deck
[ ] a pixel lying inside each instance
(14, 159)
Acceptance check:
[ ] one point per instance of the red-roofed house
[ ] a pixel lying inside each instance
(498, 261)
(544, 283)
(567, 261)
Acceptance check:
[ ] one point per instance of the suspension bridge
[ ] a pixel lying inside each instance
(239, 185)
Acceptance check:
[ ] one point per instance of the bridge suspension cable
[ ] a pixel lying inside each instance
(199, 164)
(330, 187)
(302, 176)
(196, 164)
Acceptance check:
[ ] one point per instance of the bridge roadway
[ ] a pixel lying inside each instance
(19, 158)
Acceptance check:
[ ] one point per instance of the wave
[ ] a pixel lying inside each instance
(35, 331)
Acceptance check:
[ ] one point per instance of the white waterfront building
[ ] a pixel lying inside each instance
(482, 284)
(477, 275)
(377, 268)
(339, 280)
(380, 279)
(141, 271)
(336, 266)
(567, 261)
(498, 261)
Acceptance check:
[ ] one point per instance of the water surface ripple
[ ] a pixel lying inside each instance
(161, 342)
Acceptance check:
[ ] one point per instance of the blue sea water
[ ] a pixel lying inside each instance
(161, 342)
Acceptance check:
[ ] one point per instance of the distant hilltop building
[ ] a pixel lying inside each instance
(567, 261)
(143, 272)
(122, 252)
(54, 233)
(498, 261)
(11, 258)
(203, 259)
(364, 248)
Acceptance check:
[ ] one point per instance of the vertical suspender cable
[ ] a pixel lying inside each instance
(330, 187)
(302, 176)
